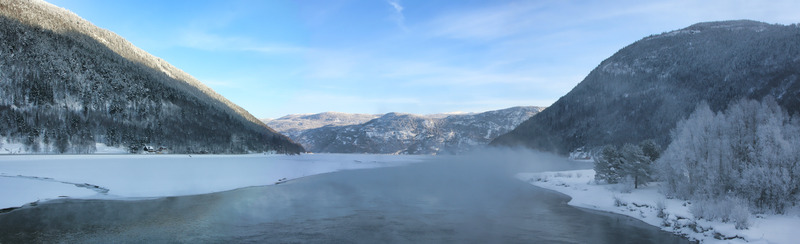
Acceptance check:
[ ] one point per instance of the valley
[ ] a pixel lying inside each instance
(397, 133)
(128, 122)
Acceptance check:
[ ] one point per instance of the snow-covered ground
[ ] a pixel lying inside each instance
(644, 204)
(31, 178)
(7, 147)
(10, 148)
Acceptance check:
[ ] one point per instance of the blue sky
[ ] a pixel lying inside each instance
(375, 56)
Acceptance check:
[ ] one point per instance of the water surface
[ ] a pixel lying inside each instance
(443, 202)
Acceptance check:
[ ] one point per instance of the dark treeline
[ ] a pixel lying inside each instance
(63, 92)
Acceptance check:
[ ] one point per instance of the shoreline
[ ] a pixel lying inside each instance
(671, 215)
(30, 178)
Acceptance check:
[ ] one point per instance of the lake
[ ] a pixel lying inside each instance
(441, 201)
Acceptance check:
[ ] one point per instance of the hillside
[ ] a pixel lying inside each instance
(395, 133)
(66, 84)
(645, 88)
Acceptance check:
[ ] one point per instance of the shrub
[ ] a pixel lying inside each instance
(726, 210)
(618, 202)
(661, 205)
(741, 216)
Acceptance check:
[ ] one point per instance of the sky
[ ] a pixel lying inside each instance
(275, 58)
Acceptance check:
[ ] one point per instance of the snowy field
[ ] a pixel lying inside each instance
(646, 203)
(27, 179)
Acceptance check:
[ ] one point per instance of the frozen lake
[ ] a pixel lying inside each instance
(436, 199)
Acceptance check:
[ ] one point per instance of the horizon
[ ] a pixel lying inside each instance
(381, 114)
(375, 57)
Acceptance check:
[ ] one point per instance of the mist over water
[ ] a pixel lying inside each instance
(470, 198)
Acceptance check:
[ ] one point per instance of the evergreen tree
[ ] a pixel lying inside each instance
(608, 166)
(46, 142)
(73, 91)
(62, 142)
(651, 149)
(636, 164)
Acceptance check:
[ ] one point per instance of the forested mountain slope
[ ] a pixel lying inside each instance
(395, 133)
(643, 90)
(66, 84)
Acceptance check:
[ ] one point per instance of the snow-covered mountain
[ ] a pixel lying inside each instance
(66, 84)
(643, 90)
(396, 133)
(293, 124)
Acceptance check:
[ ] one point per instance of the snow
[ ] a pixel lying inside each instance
(643, 204)
(29, 178)
(103, 149)
(17, 191)
(19, 148)
(11, 148)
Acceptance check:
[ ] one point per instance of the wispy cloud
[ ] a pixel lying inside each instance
(203, 40)
(336, 64)
(487, 23)
(513, 19)
(690, 11)
(320, 100)
(398, 16)
(464, 56)
(396, 5)
(315, 101)
(433, 82)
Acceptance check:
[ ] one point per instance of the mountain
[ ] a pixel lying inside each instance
(293, 124)
(644, 89)
(66, 84)
(396, 133)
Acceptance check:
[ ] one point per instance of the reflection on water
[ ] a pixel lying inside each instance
(422, 203)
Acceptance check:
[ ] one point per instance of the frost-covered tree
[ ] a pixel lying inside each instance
(750, 151)
(680, 166)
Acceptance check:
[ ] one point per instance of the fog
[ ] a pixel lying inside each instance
(465, 198)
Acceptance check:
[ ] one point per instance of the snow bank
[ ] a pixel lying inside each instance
(28, 178)
(673, 215)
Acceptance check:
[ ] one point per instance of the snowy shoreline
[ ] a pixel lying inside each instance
(30, 179)
(671, 215)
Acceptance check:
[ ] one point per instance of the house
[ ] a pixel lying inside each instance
(580, 154)
(151, 149)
